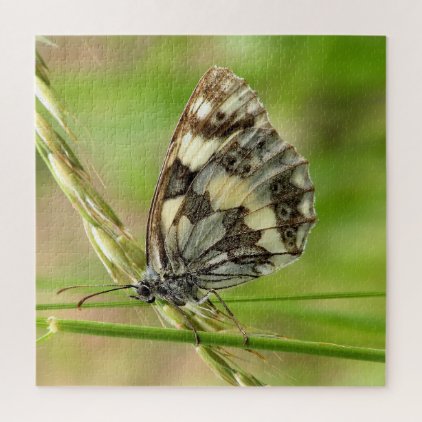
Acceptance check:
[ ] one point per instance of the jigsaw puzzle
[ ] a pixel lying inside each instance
(211, 210)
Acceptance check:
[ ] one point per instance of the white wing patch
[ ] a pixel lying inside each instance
(170, 208)
(260, 219)
(204, 234)
(195, 151)
(271, 241)
(204, 109)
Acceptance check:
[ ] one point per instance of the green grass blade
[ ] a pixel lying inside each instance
(126, 304)
(316, 296)
(216, 339)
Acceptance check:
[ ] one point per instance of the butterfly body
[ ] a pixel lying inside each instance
(175, 289)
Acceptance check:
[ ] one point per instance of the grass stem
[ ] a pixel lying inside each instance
(127, 304)
(269, 343)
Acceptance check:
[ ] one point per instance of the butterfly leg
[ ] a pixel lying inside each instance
(185, 317)
(187, 322)
(230, 314)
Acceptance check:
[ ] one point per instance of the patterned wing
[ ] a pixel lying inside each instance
(247, 212)
(221, 105)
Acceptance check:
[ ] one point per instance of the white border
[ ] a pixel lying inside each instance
(400, 21)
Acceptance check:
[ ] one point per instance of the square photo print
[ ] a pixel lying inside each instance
(211, 210)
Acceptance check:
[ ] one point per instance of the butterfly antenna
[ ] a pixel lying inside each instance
(89, 285)
(84, 299)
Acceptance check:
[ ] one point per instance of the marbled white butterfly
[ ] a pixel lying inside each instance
(233, 201)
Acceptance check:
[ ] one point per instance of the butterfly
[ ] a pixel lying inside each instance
(233, 201)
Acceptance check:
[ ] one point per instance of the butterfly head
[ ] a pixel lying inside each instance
(145, 292)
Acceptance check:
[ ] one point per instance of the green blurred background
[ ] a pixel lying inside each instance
(325, 95)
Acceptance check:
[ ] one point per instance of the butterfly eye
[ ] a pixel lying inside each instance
(144, 290)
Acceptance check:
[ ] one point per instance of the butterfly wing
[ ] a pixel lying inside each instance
(247, 212)
(221, 104)
(236, 202)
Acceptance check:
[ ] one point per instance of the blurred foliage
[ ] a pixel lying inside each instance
(325, 95)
